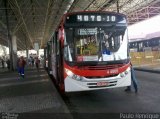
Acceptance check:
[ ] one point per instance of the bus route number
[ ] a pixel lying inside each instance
(96, 18)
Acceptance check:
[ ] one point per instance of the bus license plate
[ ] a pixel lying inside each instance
(102, 83)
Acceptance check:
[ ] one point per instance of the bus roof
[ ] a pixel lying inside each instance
(78, 12)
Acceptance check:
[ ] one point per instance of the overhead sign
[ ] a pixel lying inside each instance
(14, 43)
(36, 46)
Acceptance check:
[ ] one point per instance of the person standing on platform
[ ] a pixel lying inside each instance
(2, 63)
(32, 60)
(8, 64)
(134, 81)
(37, 62)
(20, 65)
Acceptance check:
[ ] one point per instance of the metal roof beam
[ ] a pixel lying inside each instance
(109, 3)
(29, 36)
(3, 25)
(45, 23)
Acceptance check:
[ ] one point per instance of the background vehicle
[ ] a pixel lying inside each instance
(139, 45)
(89, 51)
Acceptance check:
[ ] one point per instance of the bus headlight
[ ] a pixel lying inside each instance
(68, 72)
(122, 74)
(72, 75)
(126, 72)
(76, 77)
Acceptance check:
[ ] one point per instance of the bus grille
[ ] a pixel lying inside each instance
(93, 77)
(104, 67)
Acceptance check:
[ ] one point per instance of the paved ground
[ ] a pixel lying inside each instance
(32, 95)
(116, 101)
(35, 96)
(152, 67)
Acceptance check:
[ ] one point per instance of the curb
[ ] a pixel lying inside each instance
(66, 110)
(147, 70)
(64, 106)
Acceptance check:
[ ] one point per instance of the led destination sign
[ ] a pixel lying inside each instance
(99, 18)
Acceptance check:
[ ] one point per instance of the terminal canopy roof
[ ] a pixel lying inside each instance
(36, 20)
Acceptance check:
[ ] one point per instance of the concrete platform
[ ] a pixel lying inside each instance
(33, 94)
(153, 68)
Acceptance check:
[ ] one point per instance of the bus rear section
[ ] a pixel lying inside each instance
(95, 52)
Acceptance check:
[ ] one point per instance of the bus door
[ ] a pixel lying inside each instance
(59, 62)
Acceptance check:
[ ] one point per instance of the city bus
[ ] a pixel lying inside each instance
(90, 51)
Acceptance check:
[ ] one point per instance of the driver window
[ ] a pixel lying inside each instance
(113, 39)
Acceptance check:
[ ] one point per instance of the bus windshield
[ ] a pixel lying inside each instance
(93, 43)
